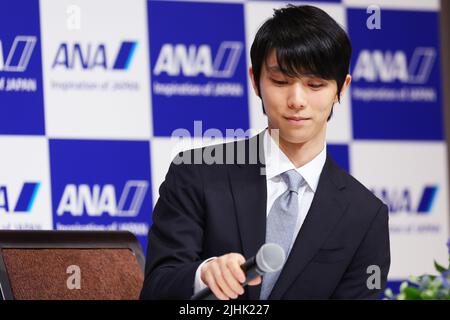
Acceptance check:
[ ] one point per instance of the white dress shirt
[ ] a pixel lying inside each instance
(277, 163)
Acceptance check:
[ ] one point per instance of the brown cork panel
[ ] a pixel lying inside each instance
(42, 274)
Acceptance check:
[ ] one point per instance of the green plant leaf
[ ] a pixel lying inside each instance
(388, 293)
(404, 285)
(414, 279)
(429, 295)
(401, 296)
(435, 284)
(438, 267)
(412, 293)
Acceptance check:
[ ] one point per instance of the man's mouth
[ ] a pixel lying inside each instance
(296, 120)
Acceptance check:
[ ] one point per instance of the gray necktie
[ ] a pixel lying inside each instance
(281, 223)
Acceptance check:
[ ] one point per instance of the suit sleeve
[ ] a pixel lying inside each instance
(176, 236)
(374, 250)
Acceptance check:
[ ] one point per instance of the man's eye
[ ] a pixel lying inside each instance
(279, 82)
(316, 85)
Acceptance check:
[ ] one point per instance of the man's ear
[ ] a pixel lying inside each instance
(347, 81)
(252, 78)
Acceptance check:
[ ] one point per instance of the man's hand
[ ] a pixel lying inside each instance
(224, 276)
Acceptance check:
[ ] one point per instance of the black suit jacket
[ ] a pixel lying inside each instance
(207, 210)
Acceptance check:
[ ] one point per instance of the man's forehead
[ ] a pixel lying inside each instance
(271, 63)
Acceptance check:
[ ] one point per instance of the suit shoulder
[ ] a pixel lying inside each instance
(357, 190)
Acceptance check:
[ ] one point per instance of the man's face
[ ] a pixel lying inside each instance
(298, 107)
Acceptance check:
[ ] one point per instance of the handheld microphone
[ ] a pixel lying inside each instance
(270, 258)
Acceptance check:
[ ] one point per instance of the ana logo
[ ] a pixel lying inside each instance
(400, 200)
(90, 56)
(97, 199)
(25, 200)
(19, 55)
(388, 66)
(192, 60)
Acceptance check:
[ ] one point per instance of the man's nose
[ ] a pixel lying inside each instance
(296, 98)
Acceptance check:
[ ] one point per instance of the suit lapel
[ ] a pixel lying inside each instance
(249, 192)
(327, 208)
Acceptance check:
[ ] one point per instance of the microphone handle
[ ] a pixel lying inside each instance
(205, 294)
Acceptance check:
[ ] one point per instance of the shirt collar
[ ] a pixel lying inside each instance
(277, 162)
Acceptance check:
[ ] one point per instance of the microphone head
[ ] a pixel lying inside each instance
(270, 257)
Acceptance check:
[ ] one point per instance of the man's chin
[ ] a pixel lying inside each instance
(293, 139)
(289, 135)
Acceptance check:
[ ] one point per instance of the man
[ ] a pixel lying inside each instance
(210, 217)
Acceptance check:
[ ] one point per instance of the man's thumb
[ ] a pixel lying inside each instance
(255, 281)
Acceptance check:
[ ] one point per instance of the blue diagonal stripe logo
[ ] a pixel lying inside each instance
(427, 200)
(125, 55)
(27, 197)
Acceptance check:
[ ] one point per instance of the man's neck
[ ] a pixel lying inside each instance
(300, 153)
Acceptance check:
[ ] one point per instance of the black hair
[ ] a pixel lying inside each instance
(306, 41)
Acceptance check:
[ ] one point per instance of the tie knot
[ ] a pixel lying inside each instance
(293, 179)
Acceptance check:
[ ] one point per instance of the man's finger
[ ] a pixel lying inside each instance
(236, 270)
(231, 281)
(211, 283)
(255, 281)
(220, 280)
